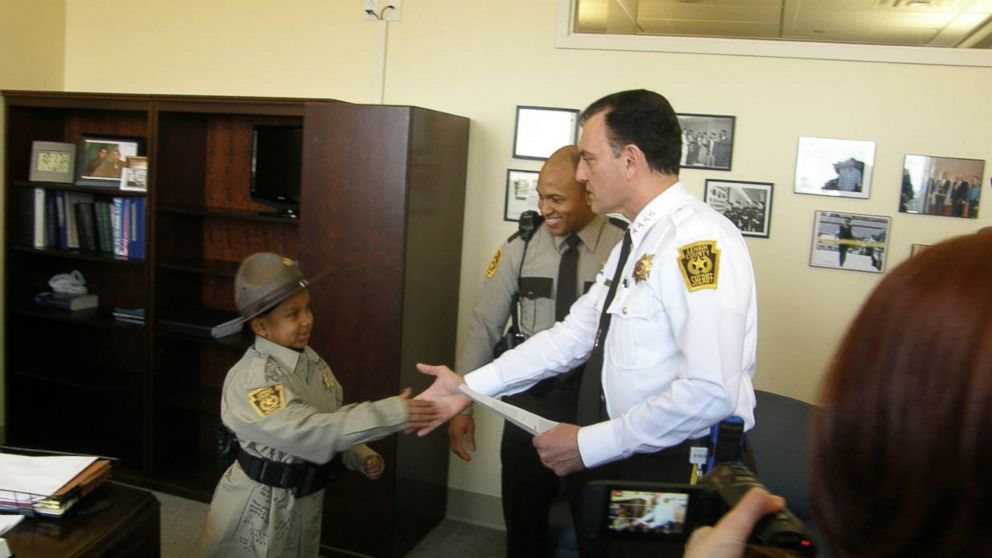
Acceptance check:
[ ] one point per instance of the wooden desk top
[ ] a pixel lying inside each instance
(129, 526)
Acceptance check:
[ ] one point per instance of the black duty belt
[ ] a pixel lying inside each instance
(303, 478)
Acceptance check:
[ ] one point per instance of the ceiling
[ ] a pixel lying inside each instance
(933, 23)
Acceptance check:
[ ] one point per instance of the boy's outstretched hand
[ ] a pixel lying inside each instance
(444, 393)
(420, 413)
(373, 467)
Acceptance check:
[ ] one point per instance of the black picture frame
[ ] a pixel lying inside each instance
(746, 204)
(521, 193)
(52, 161)
(864, 250)
(100, 159)
(540, 131)
(717, 153)
(941, 186)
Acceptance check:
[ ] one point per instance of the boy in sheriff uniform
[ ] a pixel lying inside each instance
(285, 407)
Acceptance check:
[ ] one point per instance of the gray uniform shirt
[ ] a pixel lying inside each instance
(286, 406)
(537, 281)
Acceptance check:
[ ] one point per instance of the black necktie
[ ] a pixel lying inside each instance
(568, 277)
(590, 407)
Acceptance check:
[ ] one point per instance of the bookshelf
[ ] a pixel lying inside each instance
(381, 208)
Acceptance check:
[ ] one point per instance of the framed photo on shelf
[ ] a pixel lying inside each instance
(747, 204)
(849, 241)
(100, 160)
(521, 193)
(52, 161)
(945, 186)
(707, 141)
(834, 167)
(540, 131)
(134, 175)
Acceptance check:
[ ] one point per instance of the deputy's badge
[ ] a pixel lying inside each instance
(328, 379)
(497, 257)
(700, 265)
(267, 400)
(643, 267)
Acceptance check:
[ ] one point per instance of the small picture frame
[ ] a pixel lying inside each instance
(915, 249)
(834, 167)
(521, 193)
(746, 204)
(849, 241)
(134, 176)
(707, 141)
(100, 160)
(52, 161)
(540, 131)
(944, 186)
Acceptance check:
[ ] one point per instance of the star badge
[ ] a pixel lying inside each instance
(643, 267)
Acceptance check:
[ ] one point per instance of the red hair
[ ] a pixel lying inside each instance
(902, 449)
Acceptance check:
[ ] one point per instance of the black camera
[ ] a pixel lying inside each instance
(661, 512)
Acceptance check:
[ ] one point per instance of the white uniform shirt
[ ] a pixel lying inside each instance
(676, 361)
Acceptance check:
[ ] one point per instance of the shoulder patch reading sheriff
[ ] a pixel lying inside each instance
(494, 264)
(699, 263)
(267, 400)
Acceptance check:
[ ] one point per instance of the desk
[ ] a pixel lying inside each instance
(127, 528)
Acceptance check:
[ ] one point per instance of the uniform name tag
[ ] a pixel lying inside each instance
(267, 400)
(700, 265)
(697, 455)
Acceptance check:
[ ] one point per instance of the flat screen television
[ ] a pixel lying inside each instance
(276, 160)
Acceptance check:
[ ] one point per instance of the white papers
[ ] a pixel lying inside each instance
(535, 424)
(41, 475)
(8, 522)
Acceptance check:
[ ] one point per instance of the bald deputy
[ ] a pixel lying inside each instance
(546, 274)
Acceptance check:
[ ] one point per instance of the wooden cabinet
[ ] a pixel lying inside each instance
(381, 209)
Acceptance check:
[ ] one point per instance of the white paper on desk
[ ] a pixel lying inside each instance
(535, 424)
(40, 475)
(8, 522)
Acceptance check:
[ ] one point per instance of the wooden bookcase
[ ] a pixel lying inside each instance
(381, 211)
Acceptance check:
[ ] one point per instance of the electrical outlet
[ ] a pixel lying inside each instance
(388, 9)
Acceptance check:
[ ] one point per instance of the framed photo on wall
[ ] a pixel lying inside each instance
(521, 193)
(834, 167)
(849, 241)
(945, 186)
(915, 249)
(52, 161)
(747, 204)
(707, 141)
(540, 131)
(100, 160)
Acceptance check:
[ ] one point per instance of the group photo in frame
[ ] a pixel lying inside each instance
(52, 161)
(540, 131)
(746, 204)
(707, 141)
(945, 186)
(849, 241)
(100, 160)
(521, 193)
(834, 167)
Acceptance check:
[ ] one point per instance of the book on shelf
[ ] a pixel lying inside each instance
(200, 321)
(66, 301)
(33, 213)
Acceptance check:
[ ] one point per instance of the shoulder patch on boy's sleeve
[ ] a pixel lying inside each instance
(699, 263)
(494, 264)
(267, 400)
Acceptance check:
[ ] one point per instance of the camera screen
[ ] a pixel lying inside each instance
(637, 511)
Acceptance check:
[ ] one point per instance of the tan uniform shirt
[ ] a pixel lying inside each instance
(286, 406)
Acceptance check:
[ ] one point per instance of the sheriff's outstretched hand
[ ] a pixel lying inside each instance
(443, 393)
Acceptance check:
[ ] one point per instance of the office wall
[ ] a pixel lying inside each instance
(482, 59)
(32, 36)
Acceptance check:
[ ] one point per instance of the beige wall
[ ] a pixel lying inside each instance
(32, 37)
(482, 59)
